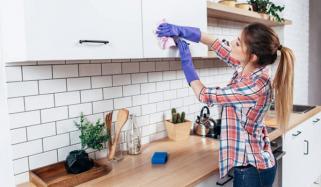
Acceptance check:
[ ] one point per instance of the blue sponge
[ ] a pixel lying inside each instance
(159, 158)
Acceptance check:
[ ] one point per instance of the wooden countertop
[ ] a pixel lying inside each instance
(189, 162)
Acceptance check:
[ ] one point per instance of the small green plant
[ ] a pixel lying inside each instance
(267, 7)
(92, 135)
(177, 117)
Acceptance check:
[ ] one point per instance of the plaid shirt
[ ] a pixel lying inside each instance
(245, 100)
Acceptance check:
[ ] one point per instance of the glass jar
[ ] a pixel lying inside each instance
(133, 137)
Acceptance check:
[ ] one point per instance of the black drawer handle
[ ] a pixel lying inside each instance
(94, 41)
(316, 120)
(307, 152)
(297, 134)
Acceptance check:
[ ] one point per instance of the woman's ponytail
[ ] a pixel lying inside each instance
(283, 87)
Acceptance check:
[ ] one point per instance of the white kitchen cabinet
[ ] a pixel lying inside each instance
(51, 30)
(179, 12)
(300, 165)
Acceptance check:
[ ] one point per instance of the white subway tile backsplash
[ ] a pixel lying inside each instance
(162, 106)
(54, 114)
(101, 81)
(52, 86)
(54, 142)
(20, 165)
(131, 90)
(155, 97)
(139, 78)
(140, 99)
(103, 106)
(122, 102)
(43, 159)
(91, 95)
(121, 80)
(156, 117)
(66, 125)
(13, 73)
(148, 88)
(16, 105)
(78, 83)
(130, 67)
(169, 75)
(183, 92)
(18, 135)
(111, 68)
(36, 72)
(170, 94)
(175, 84)
(89, 69)
(67, 98)
(113, 92)
(40, 131)
(21, 178)
(17, 89)
(148, 109)
(161, 86)
(74, 137)
(26, 149)
(155, 76)
(76, 110)
(24, 119)
(39, 102)
(65, 71)
(175, 103)
(146, 66)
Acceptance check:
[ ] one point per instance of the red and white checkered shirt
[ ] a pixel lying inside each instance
(245, 100)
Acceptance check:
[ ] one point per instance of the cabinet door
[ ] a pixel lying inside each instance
(179, 12)
(314, 147)
(54, 28)
(292, 162)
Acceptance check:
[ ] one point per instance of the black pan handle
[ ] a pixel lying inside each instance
(94, 41)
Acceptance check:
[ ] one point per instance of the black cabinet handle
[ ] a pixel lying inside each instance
(94, 41)
(316, 120)
(307, 152)
(297, 134)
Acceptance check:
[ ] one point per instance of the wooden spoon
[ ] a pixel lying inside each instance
(108, 123)
(122, 117)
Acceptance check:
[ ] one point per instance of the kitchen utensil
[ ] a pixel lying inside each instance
(108, 125)
(204, 125)
(133, 137)
(122, 117)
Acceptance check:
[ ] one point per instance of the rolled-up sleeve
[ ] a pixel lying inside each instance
(243, 94)
(223, 52)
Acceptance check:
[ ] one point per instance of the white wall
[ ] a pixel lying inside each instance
(6, 170)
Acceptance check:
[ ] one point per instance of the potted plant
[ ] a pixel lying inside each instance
(178, 128)
(267, 7)
(92, 136)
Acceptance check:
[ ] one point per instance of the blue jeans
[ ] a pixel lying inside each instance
(249, 176)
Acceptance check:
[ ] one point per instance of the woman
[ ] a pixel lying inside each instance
(244, 144)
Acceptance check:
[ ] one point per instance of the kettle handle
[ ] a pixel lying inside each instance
(208, 111)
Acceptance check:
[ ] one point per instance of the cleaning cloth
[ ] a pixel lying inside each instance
(165, 42)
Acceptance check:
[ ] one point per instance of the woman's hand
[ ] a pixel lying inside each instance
(170, 30)
(186, 60)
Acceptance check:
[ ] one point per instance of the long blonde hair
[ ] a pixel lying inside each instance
(262, 41)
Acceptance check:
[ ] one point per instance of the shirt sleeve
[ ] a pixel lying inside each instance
(223, 52)
(241, 94)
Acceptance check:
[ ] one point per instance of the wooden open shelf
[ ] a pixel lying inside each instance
(216, 10)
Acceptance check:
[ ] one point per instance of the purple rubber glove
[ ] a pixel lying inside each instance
(186, 60)
(170, 30)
